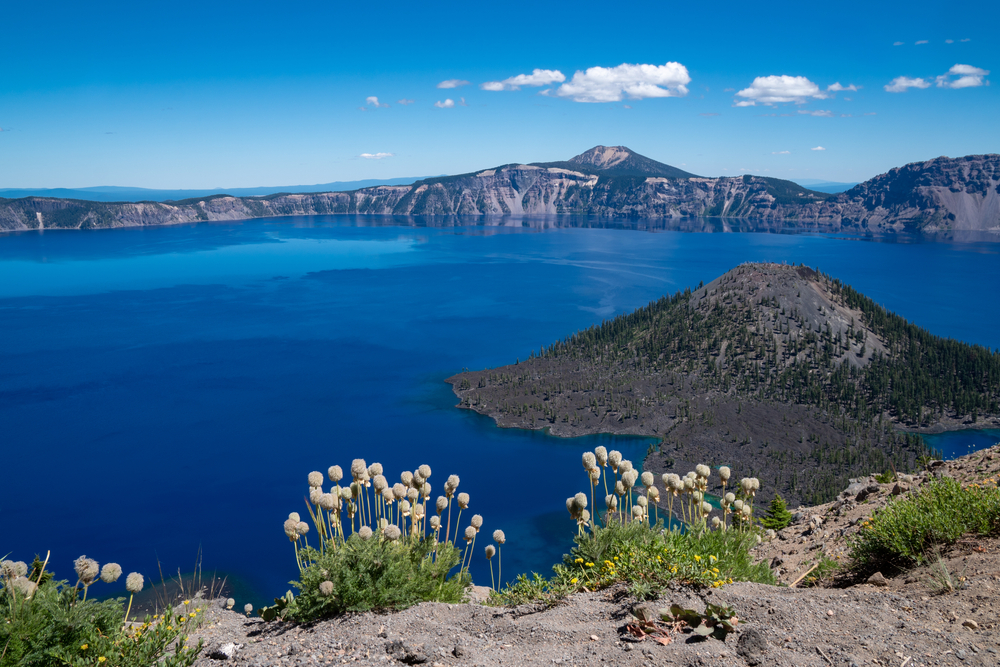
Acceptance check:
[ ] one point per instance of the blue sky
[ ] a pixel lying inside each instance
(241, 94)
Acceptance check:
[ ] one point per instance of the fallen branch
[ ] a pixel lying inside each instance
(796, 582)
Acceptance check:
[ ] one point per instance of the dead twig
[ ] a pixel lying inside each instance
(796, 582)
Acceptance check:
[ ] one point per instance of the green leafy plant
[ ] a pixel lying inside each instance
(716, 621)
(885, 477)
(903, 532)
(777, 515)
(825, 568)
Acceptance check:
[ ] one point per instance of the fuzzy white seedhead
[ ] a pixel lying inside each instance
(476, 522)
(425, 471)
(302, 528)
(347, 493)
(247, 608)
(584, 516)
(314, 494)
(614, 459)
(463, 500)
(637, 512)
(595, 476)
(647, 479)
(435, 522)
(601, 454)
(589, 460)
(452, 483)
(738, 505)
(611, 500)
(406, 477)
(641, 501)
(326, 589)
(499, 537)
(335, 473)
(404, 507)
(358, 468)
(470, 533)
(653, 494)
(412, 495)
(702, 470)
(725, 473)
(111, 572)
(290, 531)
(688, 483)
(374, 470)
(716, 522)
(398, 491)
(580, 500)
(418, 510)
(730, 497)
(418, 481)
(706, 508)
(365, 532)
(315, 478)
(746, 484)
(134, 582)
(625, 466)
(441, 504)
(379, 482)
(87, 569)
(630, 478)
(229, 603)
(356, 489)
(571, 507)
(619, 488)
(425, 490)
(391, 532)
(491, 551)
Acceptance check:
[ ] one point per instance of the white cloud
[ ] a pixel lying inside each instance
(453, 83)
(405, 101)
(901, 83)
(779, 90)
(965, 40)
(461, 102)
(818, 113)
(897, 43)
(836, 87)
(818, 148)
(376, 156)
(781, 152)
(538, 77)
(968, 77)
(612, 84)
(949, 41)
(373, 101)
(922, 41)
(447, 104)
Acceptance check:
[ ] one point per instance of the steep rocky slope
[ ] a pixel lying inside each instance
(938, 195)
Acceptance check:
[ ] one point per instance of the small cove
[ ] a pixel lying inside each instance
(183, 381)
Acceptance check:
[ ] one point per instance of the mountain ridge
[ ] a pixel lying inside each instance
(943, 194)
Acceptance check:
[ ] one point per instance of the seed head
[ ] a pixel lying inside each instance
(703, 470)
(499, 537)
(584, 517)
(406, 477)
(365, 532)
(611, 500)
(716, 522)
(637, 512)
(746, 484)
(653, 494)
(470, 534)
(358, 468)
(614, 458)
(418, 481)
(315, 478)
(412, 495)
(404, 507)
(326, 589)
(86, 569)
(706, 508)
(630, 477)
(425, 471)
(302, 528)
(391, 532)
(25, 586)
(641, 501)
(335, 473)
(356, 488)
(724, 473)
(229, 603)
(619, 488)
(247, 608)
(418, 510)
(379, 482)
(729, 498)
(374, 470)
(647, 479)
(490, 551)
(441, 504)
(738, 505)
(463, 500)
(133, 582)
(477, 522)
(452, 485)
(625, 466)
(595, 476)
(580, 500)
(425, 491)
(290, 532)
(571, 508)
(314, 494)
(398, 491)
(435, 522)
(589, 460)
(688, 483)
(111, 572)
(328, 502)
(347, 493)
(601, 454)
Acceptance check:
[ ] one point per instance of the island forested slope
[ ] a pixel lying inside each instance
(779, 371)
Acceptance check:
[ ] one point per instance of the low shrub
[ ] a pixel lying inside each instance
(903, 533)
(44, 622)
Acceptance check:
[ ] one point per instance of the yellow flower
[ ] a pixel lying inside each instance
(84, 647)
(187, 601)
(192, 614)
(101, 659)
(589, 564)
(712, 558)
(697, 557)
(578, 560)
(573, 580)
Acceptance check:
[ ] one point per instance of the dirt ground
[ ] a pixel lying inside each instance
(901, 619)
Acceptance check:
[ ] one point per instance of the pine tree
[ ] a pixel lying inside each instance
(777, 516)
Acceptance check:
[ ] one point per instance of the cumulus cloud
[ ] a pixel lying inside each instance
(538, 77)
(447, 104)
(818, 148)
(779, 90)
(818, 113)
(963, 76)
(901, 83)
(376, 156)
(636, 82)
(373, 102)
(453, 83)
(836, 87)
(781, 152)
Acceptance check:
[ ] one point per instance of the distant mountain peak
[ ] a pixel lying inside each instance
(604, 157)
(623, 161)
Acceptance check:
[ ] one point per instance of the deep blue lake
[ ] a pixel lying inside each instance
(163, 389)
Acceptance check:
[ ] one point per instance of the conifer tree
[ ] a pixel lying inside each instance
(777, 516)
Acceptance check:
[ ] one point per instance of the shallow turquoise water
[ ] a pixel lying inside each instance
(166, 388)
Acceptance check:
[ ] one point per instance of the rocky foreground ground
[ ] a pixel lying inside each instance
(900, 618)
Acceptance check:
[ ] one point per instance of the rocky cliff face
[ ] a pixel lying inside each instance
(938, 195)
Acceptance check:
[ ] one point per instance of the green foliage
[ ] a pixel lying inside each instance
(902, 533)
(777, 515)
(55, 627)
(826, 568)
(885, 477)
(717, 621)
(646, 558)
(377, 574)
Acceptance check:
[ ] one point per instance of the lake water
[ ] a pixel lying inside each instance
(168, 388)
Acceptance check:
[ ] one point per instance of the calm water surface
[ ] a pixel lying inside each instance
(169, 388)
